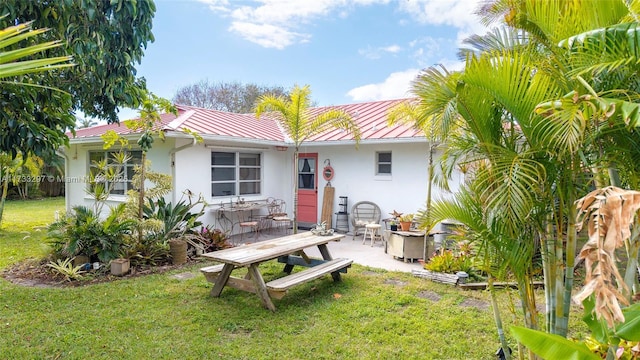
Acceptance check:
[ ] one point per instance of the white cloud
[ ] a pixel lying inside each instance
(392, 49)
(395, 86)
(282, 21)
(266, 35)
(456, 13)
(217, 5)
(376, 53)
(279, 20)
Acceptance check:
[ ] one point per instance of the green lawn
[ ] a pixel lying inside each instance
(372, 314)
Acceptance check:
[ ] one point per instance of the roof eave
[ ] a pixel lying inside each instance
(411, 140)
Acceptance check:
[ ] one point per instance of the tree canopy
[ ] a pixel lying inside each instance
(106, 38)
(231, 97)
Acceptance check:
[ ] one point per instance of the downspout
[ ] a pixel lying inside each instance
(172, 158)
(67, 205)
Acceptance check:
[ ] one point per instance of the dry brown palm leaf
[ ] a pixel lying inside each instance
(609, 213)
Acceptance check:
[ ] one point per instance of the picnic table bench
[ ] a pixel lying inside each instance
(288, 250)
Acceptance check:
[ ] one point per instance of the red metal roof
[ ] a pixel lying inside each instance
(220, 123)
(371, 118)
(120, 129)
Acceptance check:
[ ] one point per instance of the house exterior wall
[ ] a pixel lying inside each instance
(193, 172)
(405, 190)
(77, 170)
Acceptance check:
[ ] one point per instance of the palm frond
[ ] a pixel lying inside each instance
(511, 184)
(498, 39)
(511, 78)
(9, 64)
(607, 48)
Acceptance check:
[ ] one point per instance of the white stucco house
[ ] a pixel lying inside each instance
(243, 157)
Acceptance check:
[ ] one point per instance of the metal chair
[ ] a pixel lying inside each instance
(280, 217)
(363, 213)
(248, 222)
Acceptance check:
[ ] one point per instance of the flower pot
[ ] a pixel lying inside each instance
(405, 225)
(119, 267)
(178, 250)
(394, 227)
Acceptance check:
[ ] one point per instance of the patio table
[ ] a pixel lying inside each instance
(229, 215)
(287, 249)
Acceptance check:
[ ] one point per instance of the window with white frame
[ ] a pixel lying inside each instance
(116, 174)
(235, 173)
(383, 163)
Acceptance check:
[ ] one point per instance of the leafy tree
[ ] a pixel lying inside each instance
(13, 63)
(107, 39)
(231, 97)
(27, 127)
(292, 113)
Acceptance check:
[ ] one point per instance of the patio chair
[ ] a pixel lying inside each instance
(279, 216)
(363, 213)
(245, 221)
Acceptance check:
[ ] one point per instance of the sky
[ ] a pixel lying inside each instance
(347, 51)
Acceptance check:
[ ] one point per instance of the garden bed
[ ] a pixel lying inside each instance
(36, 273)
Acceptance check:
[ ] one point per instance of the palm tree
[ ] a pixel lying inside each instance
(433, 112)
(85, 123)
(300, 123)
(528, 154)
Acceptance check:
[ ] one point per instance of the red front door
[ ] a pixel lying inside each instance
(307, 188)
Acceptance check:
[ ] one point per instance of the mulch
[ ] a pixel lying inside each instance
(36, 273)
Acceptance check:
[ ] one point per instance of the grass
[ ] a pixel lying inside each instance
(23, 228)
(371, 314)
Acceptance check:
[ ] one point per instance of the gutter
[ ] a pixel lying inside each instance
(172, 159)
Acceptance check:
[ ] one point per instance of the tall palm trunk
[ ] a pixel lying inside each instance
(547, 250)
(143, 175)
(429, 185)
(572, 242)
(295, 190)
(498, 319)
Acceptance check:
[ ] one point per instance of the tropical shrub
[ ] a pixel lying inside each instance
(450, 261)
(213, 239)
(65, 268)
(84, 233)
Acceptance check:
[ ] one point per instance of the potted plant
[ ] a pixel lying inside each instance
(405, 221)
(393, 225)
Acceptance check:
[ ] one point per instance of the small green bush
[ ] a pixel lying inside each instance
(450, 261)
(65, 268)
(84, 233)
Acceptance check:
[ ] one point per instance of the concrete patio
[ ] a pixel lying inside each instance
(366, 255)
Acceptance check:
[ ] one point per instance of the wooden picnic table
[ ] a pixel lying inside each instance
(287, 249)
